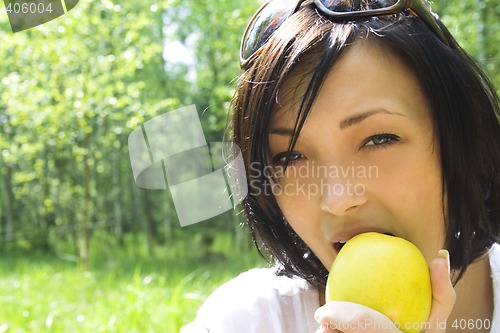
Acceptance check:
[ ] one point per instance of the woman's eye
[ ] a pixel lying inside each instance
(281, 158)
(381, 140)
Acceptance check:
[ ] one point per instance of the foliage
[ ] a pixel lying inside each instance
(73, 89)
(476, 25)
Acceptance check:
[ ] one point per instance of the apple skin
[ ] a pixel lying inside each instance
(386, 273)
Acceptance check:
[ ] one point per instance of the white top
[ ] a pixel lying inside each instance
(258, 301)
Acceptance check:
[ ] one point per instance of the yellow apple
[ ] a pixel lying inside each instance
(386, 273)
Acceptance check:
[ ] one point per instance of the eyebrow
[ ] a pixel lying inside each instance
(348, 122)
(358, 118)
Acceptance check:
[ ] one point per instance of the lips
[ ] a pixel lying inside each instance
(338, 245)
(340, 239)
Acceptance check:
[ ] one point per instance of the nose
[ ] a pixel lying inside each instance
(342, 197)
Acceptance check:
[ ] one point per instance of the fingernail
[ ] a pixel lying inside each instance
(444, 254)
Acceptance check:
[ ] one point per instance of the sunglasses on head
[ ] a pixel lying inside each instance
(271, 15)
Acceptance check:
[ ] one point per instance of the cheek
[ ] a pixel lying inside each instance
(302, 216)
(297, 209)
(411, 176)
(413, 194)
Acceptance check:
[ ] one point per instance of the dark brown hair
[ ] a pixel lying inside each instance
(465, 111)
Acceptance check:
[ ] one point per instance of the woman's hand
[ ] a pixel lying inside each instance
(350, 317)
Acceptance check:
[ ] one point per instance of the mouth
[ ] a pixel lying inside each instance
(340, 244)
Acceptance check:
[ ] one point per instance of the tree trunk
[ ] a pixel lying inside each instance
(481, 30)
(147, 222)
(84, 223)
(7, 203)
(117, 201)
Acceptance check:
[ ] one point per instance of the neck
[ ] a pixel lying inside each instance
(474, 305)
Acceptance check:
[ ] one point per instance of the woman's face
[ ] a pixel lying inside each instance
(365, 160)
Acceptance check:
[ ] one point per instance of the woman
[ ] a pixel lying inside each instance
(371, 118)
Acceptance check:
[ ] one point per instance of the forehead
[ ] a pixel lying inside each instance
(366, 71)
(291, 93)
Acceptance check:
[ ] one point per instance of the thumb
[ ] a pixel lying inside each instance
(443, 293)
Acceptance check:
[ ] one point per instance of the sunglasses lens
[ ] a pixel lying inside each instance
(340, 6)
(264, 24)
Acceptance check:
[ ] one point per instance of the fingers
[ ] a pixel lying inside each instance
(443, 294)
(350, 317)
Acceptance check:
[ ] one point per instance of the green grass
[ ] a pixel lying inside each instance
(123, 291)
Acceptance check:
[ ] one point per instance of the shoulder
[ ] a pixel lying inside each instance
(261, 282)
(494, 256)
(259, 301)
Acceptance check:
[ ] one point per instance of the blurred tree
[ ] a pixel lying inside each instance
(476, 25)
(71, 92)
(212, 30)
